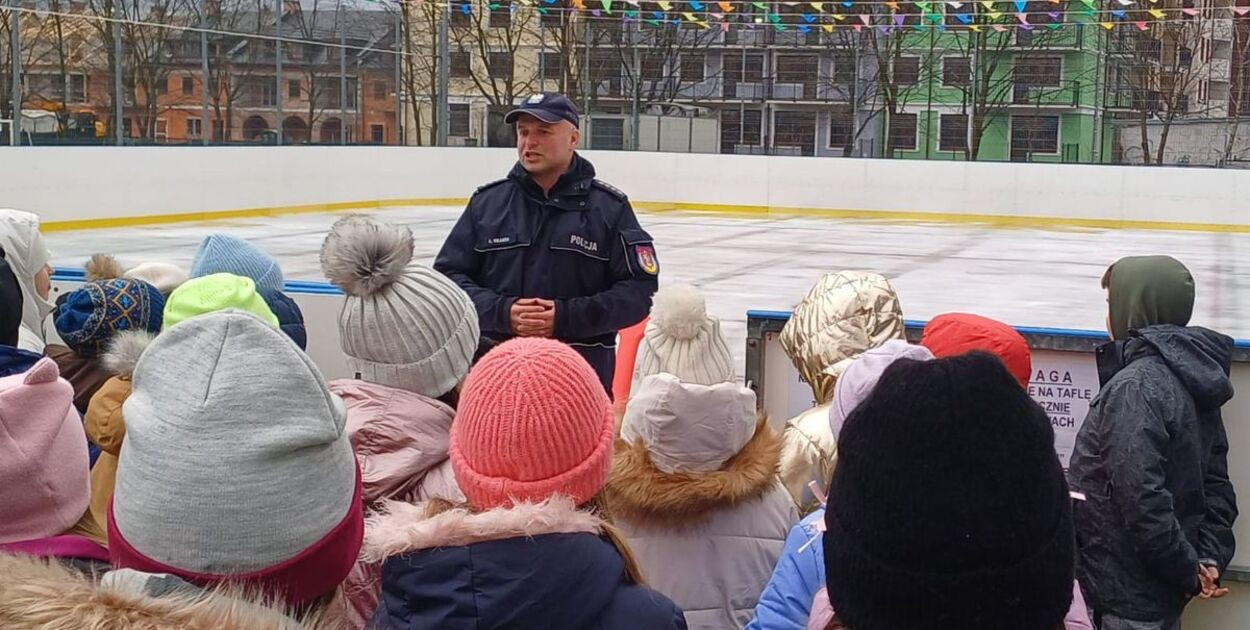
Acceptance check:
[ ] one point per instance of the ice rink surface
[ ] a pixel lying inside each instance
(1027, 277)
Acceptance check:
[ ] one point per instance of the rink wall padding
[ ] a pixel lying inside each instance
(92, 187)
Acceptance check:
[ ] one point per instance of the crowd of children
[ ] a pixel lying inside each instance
(180, 462)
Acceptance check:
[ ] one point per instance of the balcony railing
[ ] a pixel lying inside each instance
(1066, 94)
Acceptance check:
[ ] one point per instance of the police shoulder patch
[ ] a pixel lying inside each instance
(614, 191)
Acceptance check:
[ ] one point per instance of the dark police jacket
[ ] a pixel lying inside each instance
(580, 247)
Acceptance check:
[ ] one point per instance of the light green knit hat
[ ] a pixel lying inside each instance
(212, 293)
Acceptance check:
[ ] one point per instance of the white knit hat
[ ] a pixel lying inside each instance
(403, 325)
(164, 276)
(683, 340)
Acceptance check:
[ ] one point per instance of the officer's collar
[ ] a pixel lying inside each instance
(575, 182)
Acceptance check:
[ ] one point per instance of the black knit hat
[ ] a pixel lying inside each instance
(10, 304)
(948, 508)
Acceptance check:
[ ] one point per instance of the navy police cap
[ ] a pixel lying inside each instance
(548, 107)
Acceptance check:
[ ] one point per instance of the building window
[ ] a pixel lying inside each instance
(461, 14)
(748, 68)
(380, 89)
(461, 65)
(500, 65)
(907, 70)
(693, 68)
(794, 132)
(954, 132)
(459, 126)
(1034, 135)
(77, 88)
(292, 88)
(352, 87)
(843, 68)
(162, 129)
(903, 132)
(162, 86)
(188, 86)
(501, 14)
(1038, 71)
(796, 68)
(377, 133)
(268, 94)
(195, 128)
(553, 66)
(219, 131)
(607, 134)
(651, 66)
(552, 19)
(841, 129)
(956, 72)
(740, 129)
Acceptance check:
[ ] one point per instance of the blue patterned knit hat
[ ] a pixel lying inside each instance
(92, 314)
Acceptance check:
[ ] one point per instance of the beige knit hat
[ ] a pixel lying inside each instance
(683, 340)
(403, 325)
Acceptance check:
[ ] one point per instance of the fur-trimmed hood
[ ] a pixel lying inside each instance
(403, 527)
(645, 496)
(124, 350)
(36, 594)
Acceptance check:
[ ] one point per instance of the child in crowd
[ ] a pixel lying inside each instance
(531, 448)
(694, 482)
(954, 334)
(44, 483)
(164, 276)
(236, 465)
(104, 419)
(28, 256)
(222, 253)
(842, 316)
(87, 320)
(13, 360)
(948, 507)
(1151, 459)
(409, 334)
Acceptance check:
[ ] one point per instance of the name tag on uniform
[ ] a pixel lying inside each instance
(501, 240)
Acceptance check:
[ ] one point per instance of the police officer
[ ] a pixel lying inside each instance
(550, 251)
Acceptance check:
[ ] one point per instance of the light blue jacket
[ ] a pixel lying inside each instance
(800, 573)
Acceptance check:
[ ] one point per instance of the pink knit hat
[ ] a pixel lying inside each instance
(44, 480)
(533, 421)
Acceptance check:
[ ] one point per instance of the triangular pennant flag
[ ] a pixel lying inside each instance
(1023, 17)
(866, 19)
(466, 9)
(594, 12)
(924, 6)
(857, 28)
(1026, 27)
(893, 5)
(1141, 26)
(819, 6)
(1157, 14)
(828, 27)
(579, 5)
(696, 5)
(1107, 25)
(1021, 5)
(724, 27)
(994, 15)
(760, 5)
(1056, 1)
(726, 7)
(719, 16)
(1054, 15)
(839, 17)
(1190, 12)
(1126, 3)
(494, 6)
(1090, 3)
(1241, 10)
(1120, 15)
(809, 18)
(542, 10)
(665, 5)
(848, 4)
(964, 18)
(657, 15)
(804, 28)
(954, 4)
(898, 19)
(607, 6)
(774, 18)
(975, 28)
(988, 4)
(1054, 27)
(917, 27)
(935, 18)
(633, 15)
(1000, 28)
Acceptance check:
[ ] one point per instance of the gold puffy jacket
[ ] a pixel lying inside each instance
(844, 315)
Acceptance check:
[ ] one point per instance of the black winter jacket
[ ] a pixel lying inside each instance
(1152, 462)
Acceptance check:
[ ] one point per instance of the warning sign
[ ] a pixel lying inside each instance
(1064, 383)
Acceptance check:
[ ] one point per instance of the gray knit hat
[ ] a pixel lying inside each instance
(236, 462)
(683, 340)
(403, 325)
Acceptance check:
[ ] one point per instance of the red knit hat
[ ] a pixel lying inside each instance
(533, 421)
(954, 334)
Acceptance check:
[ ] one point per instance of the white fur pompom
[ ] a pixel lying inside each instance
(679, 311)
(362, 255)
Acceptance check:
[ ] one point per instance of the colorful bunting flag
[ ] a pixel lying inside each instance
(579, 5)
(809, 18)
(828, 27)
(1023, 17)
(1241, 10)
(1107, 25)
(975, 28)
(964, 18)
(866, 19)
(1141, 26)
(1021, 5)
(726, 7)
(665, 5)
(696, 5)
(857, 28)
(955, 5)
(819, 6)
(1120, 15)
(1157, 14)
(1190, 12)
(607, 6)
(839, 17)
(999, 28)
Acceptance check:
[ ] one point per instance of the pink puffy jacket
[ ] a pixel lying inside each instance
(401, 441)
